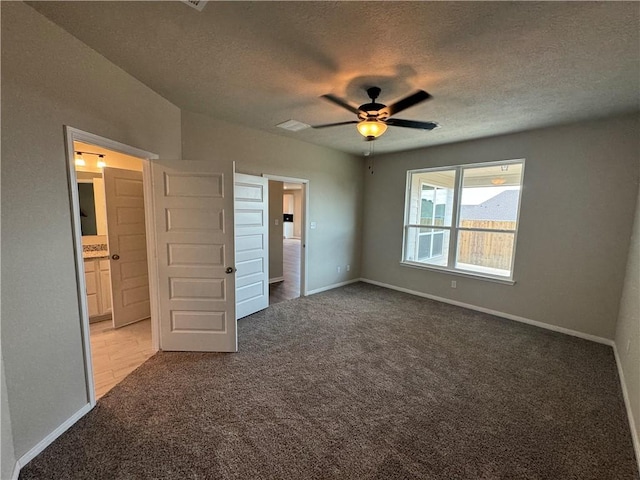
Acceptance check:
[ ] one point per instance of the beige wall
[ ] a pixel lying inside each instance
(50, 79)
(335, 187)
(628, 328)
(275, 231)
(7, 457)
(580, 189)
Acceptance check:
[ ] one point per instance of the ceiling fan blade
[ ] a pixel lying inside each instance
(340, 102)
(334, 124)
(396, 122)
(410, 101)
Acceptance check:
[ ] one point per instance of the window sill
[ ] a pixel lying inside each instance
(460, 273)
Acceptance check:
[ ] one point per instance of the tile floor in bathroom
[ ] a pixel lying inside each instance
(118, 352)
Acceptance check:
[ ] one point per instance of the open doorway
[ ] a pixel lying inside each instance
(287, 233)
(109, 203)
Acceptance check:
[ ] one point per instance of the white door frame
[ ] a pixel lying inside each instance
(75, 135)
(305, 227)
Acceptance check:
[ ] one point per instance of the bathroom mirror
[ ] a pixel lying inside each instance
(93, 209)
(86, 197)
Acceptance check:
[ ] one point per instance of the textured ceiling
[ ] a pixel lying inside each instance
(492, 68)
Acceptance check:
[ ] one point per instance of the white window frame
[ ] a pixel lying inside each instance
(454, 228)
(431, 234)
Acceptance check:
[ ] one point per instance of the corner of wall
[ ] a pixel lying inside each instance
(627, 338)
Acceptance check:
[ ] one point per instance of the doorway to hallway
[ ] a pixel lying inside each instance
(288, 237)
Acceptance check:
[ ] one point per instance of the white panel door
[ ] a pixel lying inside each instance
(127, 246)
(193, 205)
(252, 243)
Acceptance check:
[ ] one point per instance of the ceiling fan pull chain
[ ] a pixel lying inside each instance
(371, 157)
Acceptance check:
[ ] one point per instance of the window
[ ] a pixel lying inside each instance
(464, 218)
(432, 203)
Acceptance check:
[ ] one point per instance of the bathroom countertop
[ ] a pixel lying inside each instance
(98, 250)
(95, 254)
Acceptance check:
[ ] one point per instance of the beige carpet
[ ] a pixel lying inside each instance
(361, 383)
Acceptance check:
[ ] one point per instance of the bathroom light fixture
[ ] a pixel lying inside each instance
(80, 162)
(371, 129)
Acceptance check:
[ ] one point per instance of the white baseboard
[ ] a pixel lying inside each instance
(48, 440)
(627, 404)
(331, 287)
(508, 316)
(276, 280)
(16, 471)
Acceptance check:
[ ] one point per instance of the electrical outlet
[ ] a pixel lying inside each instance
(277, 222)
(339, 269)
(348, 268)
(454, 284)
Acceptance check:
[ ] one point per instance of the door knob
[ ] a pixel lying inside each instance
(115, 256)
(230, 270)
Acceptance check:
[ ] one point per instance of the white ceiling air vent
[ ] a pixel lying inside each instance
(197, 4)
(293, 125)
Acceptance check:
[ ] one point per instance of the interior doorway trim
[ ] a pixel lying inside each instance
(305, 225)
(75, 135)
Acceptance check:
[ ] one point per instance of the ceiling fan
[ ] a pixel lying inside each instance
(373, 117)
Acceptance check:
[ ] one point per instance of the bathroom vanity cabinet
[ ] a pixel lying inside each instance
(98, 281)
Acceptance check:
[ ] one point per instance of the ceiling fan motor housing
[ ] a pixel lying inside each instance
(372, 110)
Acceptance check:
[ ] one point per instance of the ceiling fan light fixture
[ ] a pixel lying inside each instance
(371, 129)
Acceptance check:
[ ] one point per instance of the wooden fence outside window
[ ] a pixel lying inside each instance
(493, 250)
